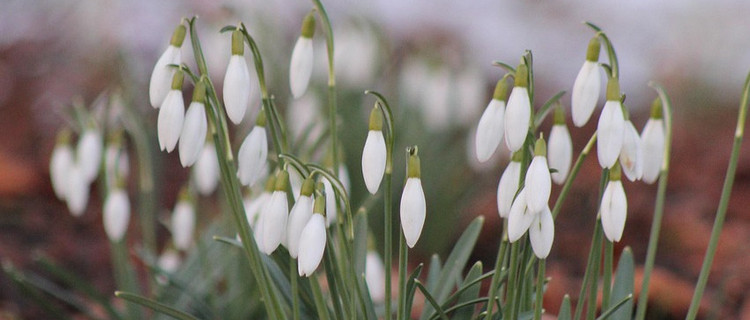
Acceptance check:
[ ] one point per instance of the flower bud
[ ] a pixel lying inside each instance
(89, 153)
(538, 182)
(491, 125)
(193, 134)
(183, 222)
(653, 140)
(610, 127)
(374, 153)
(560, 152)
(60, 162)
(251, 159)
(116, 214)
(237, 87)
(312, 244)
(274, 215)
(413, 205)
(162, 74)
(171, 115)
(301, 64)
(587, 85)
(206, 169)
(299, 216)
(78, 192)
(518, 111)
(614, 207)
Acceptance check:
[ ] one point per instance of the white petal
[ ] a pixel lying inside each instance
(517, 117)
(538, 185)
(373, 160)
(89, 153)
(298, 217)
(183, 225)
(171, 117)
(331, 209)
(585, 92)
(116, 214)
(507, 188)
(413, 210)
(631, 155)
(653, 149)
(161, 78)
(206, 170)
(59, 166)
(169, 260)
(519, 218)
(542, 233)
(614, 210)
(375, 276)
(490, 130)
(193, 134)
(295, 182)
(78, 194)
(274, 215)
(253, 207)
(312, 244)
(301, 66)
(560, 152)
(344, 178)
(252, 156)
(610, 131)
(236, 88)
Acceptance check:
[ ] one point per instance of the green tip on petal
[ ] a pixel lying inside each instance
(177, 80)
(559, 115)
(178, 36)
(613, 89)
(522, 76)
(199, 92)
(308, 187)
(270, 183)
(413, 169)
(517, 156)
(592, 53)
(540, 148)
(615, 173)
(282, 181)
(320, 204)
(376, 118)
(308, 25)
(501, 90)
(261, 119)
(238, 44)
(656, 109)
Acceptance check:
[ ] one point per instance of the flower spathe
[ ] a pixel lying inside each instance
(374, 153)
(206, 170)
(60, 162)
(538, 182)
(194, 129)
(508, 185)
(162, 75)
(560, 149)
(183, 223)
(631, 155)
(653, 139)
(610, 127)
(273, 219)
(251, 159)
(587, 85)
(116, 214)
(614, 207)
(413, 207)
(301, 64)
(518, 111)
(89, 153)
(542, 233)
(237, 87)
(491, 125)
(299, 216)
(171, 115)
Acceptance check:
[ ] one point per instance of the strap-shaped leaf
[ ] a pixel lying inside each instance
(411, 287)
(623, 286)
(433, 274)
(564, 313)
(471, 292)
(155, 305)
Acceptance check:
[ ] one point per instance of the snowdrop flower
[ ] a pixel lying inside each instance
(183, 222)
(312, 241)
(614, 207)
(610, 127)
(60, 162)
(89, 153)
(331, 209)
(77, 194)
(299, 215)
(508, 185)
(116, 214)
(193, 134)
(237, 81)
(375, 276)
(631, 155)
(171, 115)
(653, 139)
(274, 215)
(560, 150)
(169, 261)
(301, 65)
(413, 206)
(251, 158)
(587, 85)
(490, 128)
(520, 218)
(518, 112)
(162, 74)
(206, 169)
(374, 153)
(542, 233)
(538, 182)
(254, 205)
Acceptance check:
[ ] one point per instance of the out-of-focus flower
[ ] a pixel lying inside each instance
(653, 139)
(374, 153)
(237, 88)
(193, 134)
(518, 112)
(116, 161)
(301, 64)
(60, 162)
(171, 115)
(490, 129)
(183, 222)
(560, 150)
(251, 159)
(375, 276)
(587, 85)
(413, 205)
(206, 169)
(610, 127)
(162, 74)
(78, 192)
(89, 153)
(116, 214)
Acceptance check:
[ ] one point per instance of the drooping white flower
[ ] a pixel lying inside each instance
(610, 127)
(374, 153)
(301, 64)
(183, 223)
(631, 155)
(518, 112)
(520, 218)
(89, 153)
(162, 75)
(274, 215)
(653, 140)
(169, 260)
(251, 159)
(542, 233)
(206, 169)
(508, 185)
(299, 215)
(193, 134)
(614, 208)
(491, 126)
(375, 276)
(331, 209)
(538, 182)
(116, 214)
(237, 86)
(413, 205)
(587, 85)
(254, 205)
(312, 244)
(78, 192)
(171, 115)
(560, 148)
(59, 166)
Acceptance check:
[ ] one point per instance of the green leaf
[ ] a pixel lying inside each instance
(360, 242)
(433, 274)
(564, 313)
(431, 299)
(470, 293)
(411, 287)
(155, 305)
(617, 307)
(450, 275)
(623, 286)
(34, 293)
(544, 111)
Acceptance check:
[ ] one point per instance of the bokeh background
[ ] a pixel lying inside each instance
(432, 59)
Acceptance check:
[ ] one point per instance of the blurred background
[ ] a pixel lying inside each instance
(432, 59)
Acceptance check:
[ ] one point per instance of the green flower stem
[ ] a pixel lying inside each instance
(614, 65)
(572, 176)
(320, 303)
(333, 274)
(721, 212)
(512, 275)
(589, 273)
(125, 277)
(331, 84)
(295, 288)
(594, 288)
(607, 274)
(403, 258)
(499, 267)
(539, 290)
(659, 207)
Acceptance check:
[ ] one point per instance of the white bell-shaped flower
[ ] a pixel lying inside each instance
(253, 154)
(587, 85)
(59, 166)
(538, 181)
(162, 75)
(171, 115)
(274, 215)
(183, 223)
(78, 192)
(89, 153)
(206, 169)
(560, 148)
(116, 214)
(301, 64)
(374, 153)
(614, 207)
(610, 127)
(631, 155)
(237, 86)
(653, 140)
(375, 276)
(193, 134)
(413, 205)
(491, 125)
(508, 185)
(299, 215)
(542, 233)
(312, 244)
(518, 112)
(520, 218)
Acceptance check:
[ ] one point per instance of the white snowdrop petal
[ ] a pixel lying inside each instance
(89, 153)
(652, 139)
(274, 218)
(560, 152)
(253, 207)
(331, 210)
(298, 217)
(301, 66)
(206, 170)
(78, 192)
(312, 244)
(614, 210)
(507, 188)
(193, 134)
(171, 117)
(236, 88)
(375, 276)
(295, 182)
(413, 210)
(519, 218)
(161, 77)
(610, 132)
(517, 117)
(60, 162)
(538, 185)
(252, 156)
(585, 94)
(373, 160)
(116, 214)
(490, 130)
(631, 155)
(542, 233)
(183, 225)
